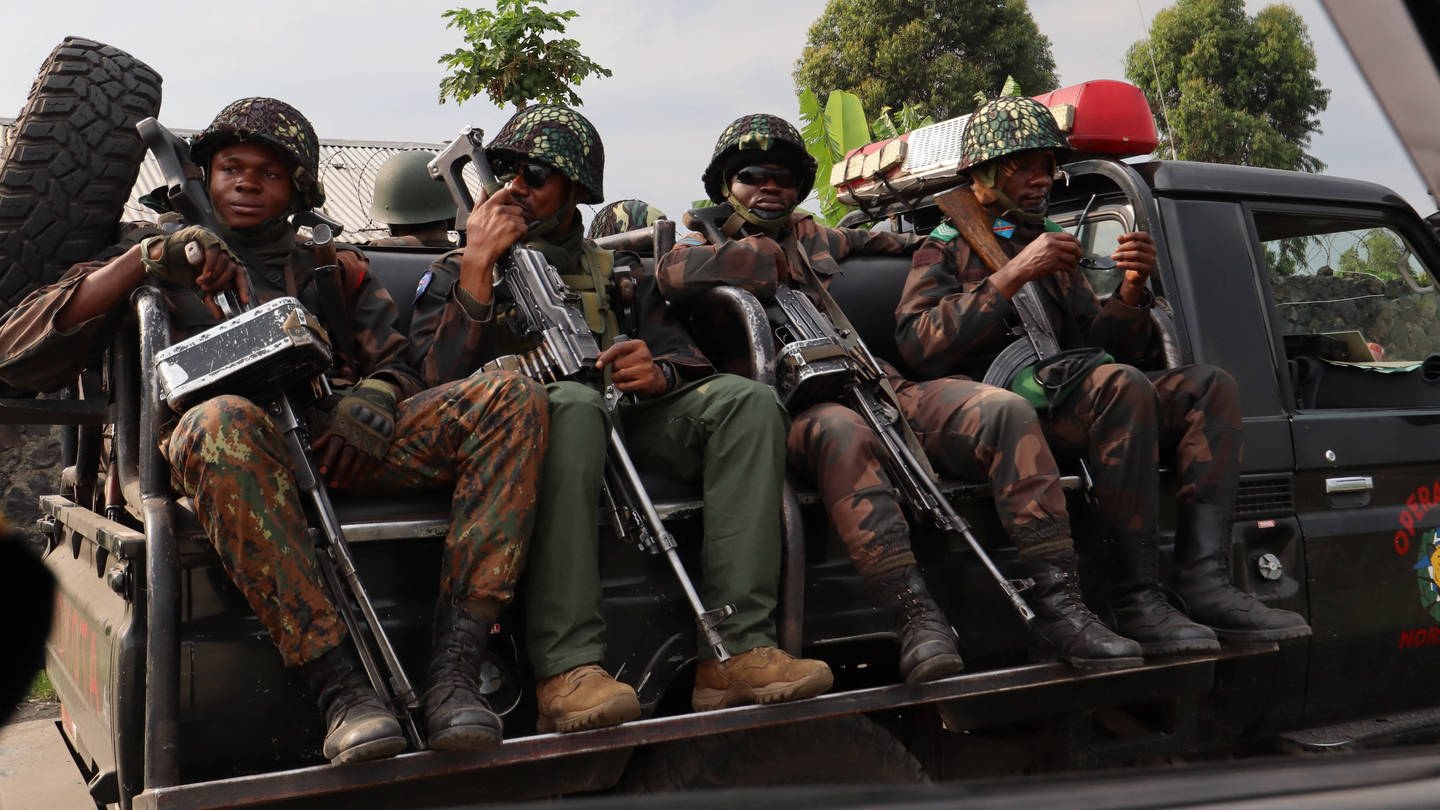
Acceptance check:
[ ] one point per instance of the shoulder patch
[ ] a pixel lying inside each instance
(691, 240)
(1002, 228)
(944, 232)
(424, 283)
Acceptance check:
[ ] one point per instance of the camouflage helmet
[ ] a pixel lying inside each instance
(1008, 125)
(406, 194)
(622, 216)
(560, 138)
(769, 139)
(278, 126)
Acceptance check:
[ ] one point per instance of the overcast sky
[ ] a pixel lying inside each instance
(366, 70)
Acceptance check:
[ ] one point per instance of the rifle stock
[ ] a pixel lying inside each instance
(188, 196)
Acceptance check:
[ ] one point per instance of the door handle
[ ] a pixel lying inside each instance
(1353, 483)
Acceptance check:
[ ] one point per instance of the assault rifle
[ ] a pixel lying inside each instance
(1039, 341)
(188, 197)
(819, 362)
(567, 350)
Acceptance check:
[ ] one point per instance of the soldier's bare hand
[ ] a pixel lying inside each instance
(1135, 254)
(1050, 253)
(632, 368)
(220, 271)
(495, 223)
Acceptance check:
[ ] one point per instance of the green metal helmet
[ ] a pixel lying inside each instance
(560, 138)
(406, 194)
(1008, 125)
(622, 216)
(758, 138)
(278, 126)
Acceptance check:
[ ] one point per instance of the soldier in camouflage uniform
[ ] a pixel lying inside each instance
(417, 207)
(381, 432)
(720, 430)
(955, 316)
(622, 216)
(757, 173)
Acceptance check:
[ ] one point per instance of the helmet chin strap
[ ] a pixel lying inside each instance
(770, 222)
(541, 228)
(988, 179)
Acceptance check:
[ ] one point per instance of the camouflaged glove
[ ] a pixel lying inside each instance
(365, 417)
(175, 265)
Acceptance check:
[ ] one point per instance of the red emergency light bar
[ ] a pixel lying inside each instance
(1101, 117)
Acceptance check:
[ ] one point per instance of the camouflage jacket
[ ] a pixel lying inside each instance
(952, 320)
(40, 357)
(757, 262)
(447, 343)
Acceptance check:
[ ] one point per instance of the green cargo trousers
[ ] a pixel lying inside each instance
(725, 432)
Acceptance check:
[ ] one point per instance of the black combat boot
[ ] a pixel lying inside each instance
(1142, 612)
(358, 726)
(1066, 623)
(457, 716)
(927, 641)
(1202, 580)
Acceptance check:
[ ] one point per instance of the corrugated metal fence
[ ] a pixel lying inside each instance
(347, 168)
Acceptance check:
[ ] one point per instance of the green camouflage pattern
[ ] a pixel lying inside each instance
(1124, 421)
(558, 137)
(226, 454)
(483, 436)
(447, 343)
(757, 262)
(971, 430)
(406, 194)
(952, 320)
(275, 124)
(622, 216)
(722, 432)
(771, 139)
(1008, 125)
(42, 358)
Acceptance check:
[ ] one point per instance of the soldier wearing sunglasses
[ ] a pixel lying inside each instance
(720, 430)
(759, 172)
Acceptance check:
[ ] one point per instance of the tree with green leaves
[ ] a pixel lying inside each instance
(508, 58)
(1378, 252)
(1229, 87)
(935, 54)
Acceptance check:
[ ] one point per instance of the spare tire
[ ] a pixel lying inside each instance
(72, 159)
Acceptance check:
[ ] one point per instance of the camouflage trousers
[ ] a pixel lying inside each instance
(483, 436)
(1121, 419)
(970, 431)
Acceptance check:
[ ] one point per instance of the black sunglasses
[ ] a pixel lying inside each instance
(534, 174)
(757, 175)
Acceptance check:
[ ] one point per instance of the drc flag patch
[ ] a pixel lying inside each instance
(1003, 228)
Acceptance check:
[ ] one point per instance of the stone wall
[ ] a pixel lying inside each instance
(29, 468)
(1389, 313)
